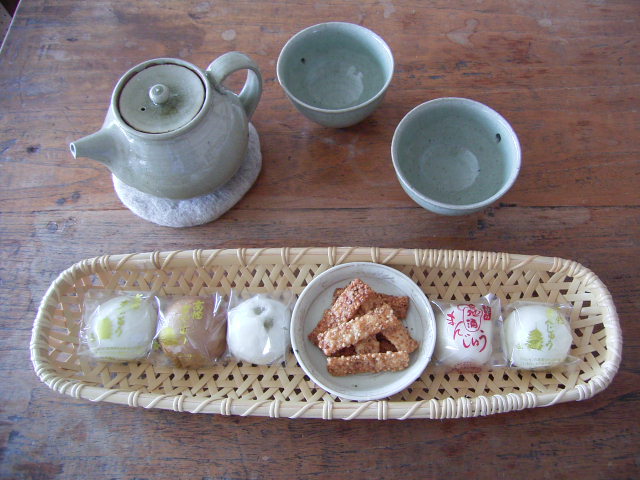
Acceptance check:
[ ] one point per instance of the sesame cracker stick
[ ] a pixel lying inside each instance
(368, 345)
(368, 363)
(399, 304)
(355, 296)
(400, 338)
(357, 329)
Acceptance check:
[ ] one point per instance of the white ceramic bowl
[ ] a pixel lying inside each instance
(318, 296)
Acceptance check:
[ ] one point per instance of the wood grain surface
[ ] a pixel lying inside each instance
(566, 74)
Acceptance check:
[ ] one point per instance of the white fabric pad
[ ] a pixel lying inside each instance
(189, 212)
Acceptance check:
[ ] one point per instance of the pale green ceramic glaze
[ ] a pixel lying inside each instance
(173, 130)
(455, 156)
(335, 73)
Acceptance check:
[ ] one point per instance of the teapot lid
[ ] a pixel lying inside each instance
(161, 98)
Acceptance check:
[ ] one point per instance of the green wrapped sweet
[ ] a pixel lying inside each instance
(122, 328)
(536, 337)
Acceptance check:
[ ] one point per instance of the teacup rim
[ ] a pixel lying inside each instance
(461, 208)
(380, 92)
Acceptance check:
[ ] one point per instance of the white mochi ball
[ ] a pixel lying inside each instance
(258, 330)
(122, 328)
(464, 336)
(536, 337)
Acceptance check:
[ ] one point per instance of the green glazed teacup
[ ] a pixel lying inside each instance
(335, 73)
(455, 156)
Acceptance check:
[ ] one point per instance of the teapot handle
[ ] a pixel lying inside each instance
(230, 62)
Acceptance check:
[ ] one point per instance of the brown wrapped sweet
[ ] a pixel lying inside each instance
(193, 332)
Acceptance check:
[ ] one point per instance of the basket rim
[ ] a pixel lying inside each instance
(381, 409)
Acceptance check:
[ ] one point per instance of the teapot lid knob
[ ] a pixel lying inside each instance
(159, 94)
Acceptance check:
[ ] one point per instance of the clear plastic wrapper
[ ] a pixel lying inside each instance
(192, 331)
(468, 335)
(537, 336)
(118, 326)
(258, 327)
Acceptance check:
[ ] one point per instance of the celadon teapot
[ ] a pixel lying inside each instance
(173, 130)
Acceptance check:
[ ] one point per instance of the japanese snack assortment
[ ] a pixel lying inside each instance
(483, 335)
(198, 332)
(185, 331)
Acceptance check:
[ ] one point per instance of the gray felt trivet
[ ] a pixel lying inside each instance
(198, 210)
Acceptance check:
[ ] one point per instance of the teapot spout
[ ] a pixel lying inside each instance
(101, 146)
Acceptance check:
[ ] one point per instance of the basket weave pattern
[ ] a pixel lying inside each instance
(279, 391)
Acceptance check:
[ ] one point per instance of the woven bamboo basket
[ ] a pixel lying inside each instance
(278, 391)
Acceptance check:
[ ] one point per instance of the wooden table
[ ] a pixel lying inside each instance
(565, 74)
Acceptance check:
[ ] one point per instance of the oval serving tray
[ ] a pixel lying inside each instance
(278, 391)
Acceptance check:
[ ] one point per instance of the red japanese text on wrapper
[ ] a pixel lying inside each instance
(467, 321)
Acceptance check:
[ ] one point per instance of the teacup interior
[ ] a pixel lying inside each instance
(455, 154)
(335, 66)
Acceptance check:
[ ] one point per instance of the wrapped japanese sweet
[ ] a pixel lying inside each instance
(467, 335)
(258, 327)
(537, 336)
(118, 326)
(192, 330)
